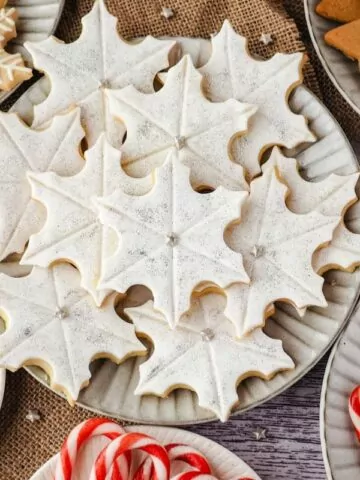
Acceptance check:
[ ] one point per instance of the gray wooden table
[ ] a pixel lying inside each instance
(292, 448)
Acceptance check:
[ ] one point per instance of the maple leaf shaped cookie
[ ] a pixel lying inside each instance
(80, 71)
(72, 230)
(204, 354)
(277, 247)
(22, 149)
(171, 239)
(331, 196)
(12, 70)
(232, 73)
(8, 17)
(53, 323)
(180, 119)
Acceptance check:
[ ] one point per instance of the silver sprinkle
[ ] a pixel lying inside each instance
(207, 334)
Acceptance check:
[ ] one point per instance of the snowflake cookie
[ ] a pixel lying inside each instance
(180, 119)
(277, 246)
(79, 72)
(26, 150)
(172, 239)
(203, 354)
(331, 196)
(72, 231)
(53, 323)
(232, 73)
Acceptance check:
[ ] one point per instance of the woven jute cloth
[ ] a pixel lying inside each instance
(25, 446)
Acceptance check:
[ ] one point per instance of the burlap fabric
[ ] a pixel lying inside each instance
(24, 446)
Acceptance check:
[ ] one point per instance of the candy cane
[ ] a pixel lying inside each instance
(176, 451)
(354, 410)
(126, 443)
(81, 434)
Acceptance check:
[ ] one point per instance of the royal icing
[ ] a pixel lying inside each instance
(180, 119)
(79, 72)
(204, 354)
(277, 248)
(12, 70)
(232, 73)
(72, 231)
(25, 150)
(331, 196)
(8, 17)
(165, 242)
(53, 323)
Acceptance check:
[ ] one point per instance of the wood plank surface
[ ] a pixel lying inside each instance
(292, 449)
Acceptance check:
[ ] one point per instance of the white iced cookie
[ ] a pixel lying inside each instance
(277, 248)
(25, 150)
(331, 196)
(171, 240)
(12, 70)
(204, 354)
(53, 323)
(180, 119)
(8, 17)
(72, 231)
(79, 72)
(232, 73)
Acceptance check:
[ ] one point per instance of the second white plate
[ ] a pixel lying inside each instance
(341, 449)
(343, 72)
(224, 464)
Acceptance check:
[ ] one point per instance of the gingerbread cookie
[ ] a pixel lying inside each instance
(346, 38)
(12, 70)
(343, 11)
(8, 17)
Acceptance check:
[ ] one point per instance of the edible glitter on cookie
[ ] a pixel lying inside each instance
(168, 247)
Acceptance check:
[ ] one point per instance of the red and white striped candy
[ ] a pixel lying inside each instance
(81, 434)
(354, 410)
(126, 443)
(180, 452)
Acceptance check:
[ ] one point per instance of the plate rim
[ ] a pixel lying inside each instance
(324, 62)
(186, 433)
(322, 409)
(53, 29)
(32, 370)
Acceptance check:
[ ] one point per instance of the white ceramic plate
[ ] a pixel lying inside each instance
(111, 389)
(343, 72)
(37, 20)
(225, 465)
(341, 449)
